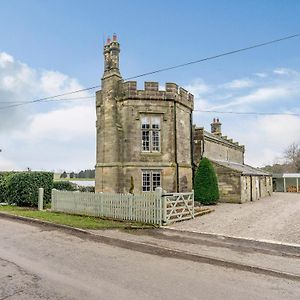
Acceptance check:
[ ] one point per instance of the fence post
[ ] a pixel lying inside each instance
(193, 203)
(159, 192)
(41, 199)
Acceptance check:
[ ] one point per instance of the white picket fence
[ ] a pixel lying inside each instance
(153, 208)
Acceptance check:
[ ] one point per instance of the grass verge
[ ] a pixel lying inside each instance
(84, 222)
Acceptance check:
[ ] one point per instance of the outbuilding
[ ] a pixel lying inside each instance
(286, 182)
(239, 183)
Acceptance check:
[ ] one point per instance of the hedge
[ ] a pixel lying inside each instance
(21, 188)
(206, 183)
(4, 179)
(64, 185)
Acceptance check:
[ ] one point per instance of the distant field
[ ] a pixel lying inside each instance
(74, 179)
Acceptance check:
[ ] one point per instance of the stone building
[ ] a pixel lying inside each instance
(215, 146)
(237, 181)
(141, 134)
(146, 138)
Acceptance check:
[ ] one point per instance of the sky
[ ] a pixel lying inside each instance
(52, 47)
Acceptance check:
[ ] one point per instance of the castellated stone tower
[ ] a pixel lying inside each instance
(145, 134)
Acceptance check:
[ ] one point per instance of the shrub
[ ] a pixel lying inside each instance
(131, 185)
(64, 185)
(90, 189)
(206, 183)
(4, 180)
(22, 187)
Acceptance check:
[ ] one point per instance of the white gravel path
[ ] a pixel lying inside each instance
(275, 218)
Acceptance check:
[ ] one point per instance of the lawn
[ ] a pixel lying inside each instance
(83, 222)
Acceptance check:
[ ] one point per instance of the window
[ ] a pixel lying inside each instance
(151, 179)
(150, 126)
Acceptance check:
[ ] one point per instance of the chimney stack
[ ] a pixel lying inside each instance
(216, 127)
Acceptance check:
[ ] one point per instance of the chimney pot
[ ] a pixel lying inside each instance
(114, 37)
(108, 41)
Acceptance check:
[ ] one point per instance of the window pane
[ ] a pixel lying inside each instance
(156, 179)
(155, 121)
(145, 140)
(145, 121)
(155, 140)
(146, 181)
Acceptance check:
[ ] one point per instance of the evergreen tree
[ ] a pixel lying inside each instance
(206, 183)
(64, 175)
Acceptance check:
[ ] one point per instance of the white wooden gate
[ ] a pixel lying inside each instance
(177, 207)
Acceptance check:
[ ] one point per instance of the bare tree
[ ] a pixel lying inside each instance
(292, 155)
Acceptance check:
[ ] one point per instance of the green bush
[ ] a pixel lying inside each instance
(4, 180)
(22, 187)
(206, 183)
(90, 189)
(64, 185)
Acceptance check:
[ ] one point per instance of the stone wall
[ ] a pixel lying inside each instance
(125, 158)
(216, 147)
(229, 184)
(237, 188)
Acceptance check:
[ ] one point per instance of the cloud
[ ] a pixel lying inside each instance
(266, 94)
(281, 71)
(20, 83)
(5, 59)
(198, 88)
(265, 136)
(238, 84)
(261, 75)
(268, 137)
(63, 124)
(51, 136)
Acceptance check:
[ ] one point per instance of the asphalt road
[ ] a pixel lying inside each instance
(49, 264)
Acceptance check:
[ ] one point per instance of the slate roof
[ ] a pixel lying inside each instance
(243, 169)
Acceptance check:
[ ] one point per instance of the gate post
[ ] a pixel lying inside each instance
(193, 203)
(159, 193)
(41, 199)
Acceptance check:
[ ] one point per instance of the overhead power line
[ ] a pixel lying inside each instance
(216, 56)
(246, 113)
(46, 99)
(50, 100)
(161, 70)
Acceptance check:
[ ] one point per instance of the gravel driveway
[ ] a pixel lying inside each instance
(275, 218)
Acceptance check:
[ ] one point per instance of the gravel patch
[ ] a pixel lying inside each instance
(275, 218)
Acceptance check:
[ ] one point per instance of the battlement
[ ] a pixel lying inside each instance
(200, 133)
(231, 141)
(152, 92)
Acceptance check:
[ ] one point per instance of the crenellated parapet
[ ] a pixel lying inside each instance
(151, 91)
(200, 134)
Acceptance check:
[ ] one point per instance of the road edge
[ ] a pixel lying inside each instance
(154, 250)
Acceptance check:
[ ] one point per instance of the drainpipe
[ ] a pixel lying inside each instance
(192, 147)
(175, 148)
(251, 188)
